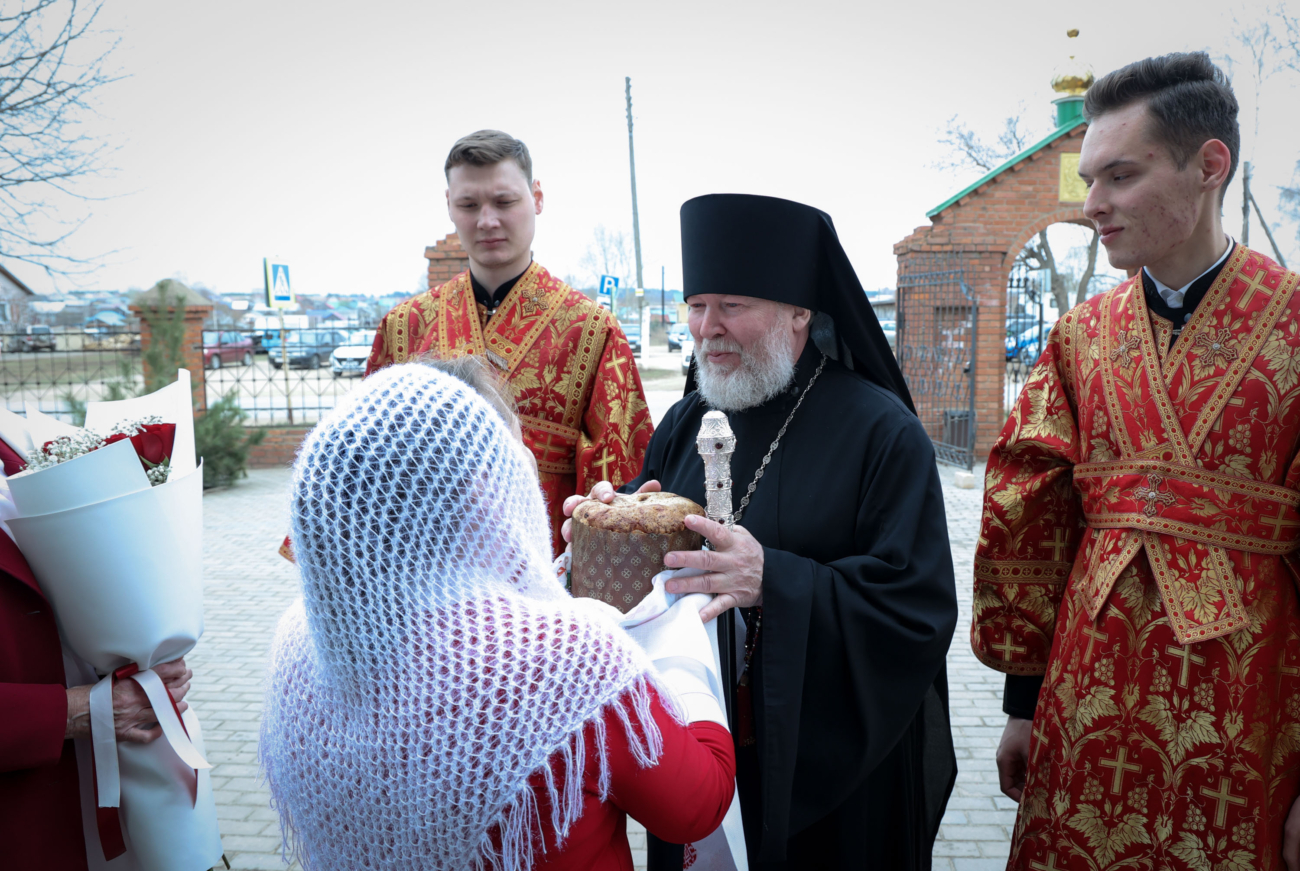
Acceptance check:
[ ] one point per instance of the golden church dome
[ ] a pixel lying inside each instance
(1073, 77)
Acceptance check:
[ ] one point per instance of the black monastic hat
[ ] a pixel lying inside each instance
(787, 252)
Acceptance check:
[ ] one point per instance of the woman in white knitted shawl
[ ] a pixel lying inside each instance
(436, 699)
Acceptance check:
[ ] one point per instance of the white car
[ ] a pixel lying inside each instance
(688, 351)
(350, 359)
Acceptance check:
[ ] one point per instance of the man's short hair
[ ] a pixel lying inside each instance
(488, 148)
(1189, 99)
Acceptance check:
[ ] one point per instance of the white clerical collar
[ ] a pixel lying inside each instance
(1175, 296)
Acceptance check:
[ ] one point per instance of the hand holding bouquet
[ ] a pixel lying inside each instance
(110, 519)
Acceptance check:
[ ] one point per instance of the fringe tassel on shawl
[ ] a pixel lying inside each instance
(519, 823)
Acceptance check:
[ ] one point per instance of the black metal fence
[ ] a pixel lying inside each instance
(936, 351)
(58, 372)
(1027, 328)
(323, 364)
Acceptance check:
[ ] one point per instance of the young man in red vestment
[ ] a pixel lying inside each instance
(1136, 573)
(564, 358)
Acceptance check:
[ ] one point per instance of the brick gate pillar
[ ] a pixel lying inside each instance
(446, 260)
(162, 301)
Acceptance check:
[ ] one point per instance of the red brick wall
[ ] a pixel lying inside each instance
(278, 448)
(989, 227)
(192, 347)
(446, 260)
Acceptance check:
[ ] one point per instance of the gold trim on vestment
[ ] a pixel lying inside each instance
(1226, 360)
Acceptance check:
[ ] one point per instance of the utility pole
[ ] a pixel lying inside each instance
(1245, 203)
(663, 306)
(636, 220)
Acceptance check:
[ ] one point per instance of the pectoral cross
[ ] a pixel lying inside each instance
(1224, 797)
(1152, 495)
(1254, 284)
(1050, 866)
(1093, 636)
(1188, 658)
(1121, 765)
(1278, 523)
(616, 363)
(1007, 648)
(1237, 401)
(1057, 544)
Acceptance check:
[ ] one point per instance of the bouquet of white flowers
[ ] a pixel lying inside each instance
(110, 519)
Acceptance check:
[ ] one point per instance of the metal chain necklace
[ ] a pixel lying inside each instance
(762, 467)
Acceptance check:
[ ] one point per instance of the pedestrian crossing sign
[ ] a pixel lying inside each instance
(279, 294)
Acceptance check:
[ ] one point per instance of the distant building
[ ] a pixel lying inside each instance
(883, 303)
(15, 298)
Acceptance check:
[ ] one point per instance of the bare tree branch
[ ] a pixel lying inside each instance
(608, 253)
(1081, 291)
(49, 72)
(967, 151)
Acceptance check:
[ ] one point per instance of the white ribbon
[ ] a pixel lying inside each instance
(103, 738)
(104, 735)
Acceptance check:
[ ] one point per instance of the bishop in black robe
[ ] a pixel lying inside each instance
(851, 762)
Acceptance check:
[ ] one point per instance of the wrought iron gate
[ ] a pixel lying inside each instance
(936, 350)
(1027, 328)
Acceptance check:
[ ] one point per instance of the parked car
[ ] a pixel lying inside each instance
(688, 352)
(633, 333)
(676, 333)
(891, 332)
(34, 338)
(226, 346)
(1027, 345)
(350, 359)
(309, 348)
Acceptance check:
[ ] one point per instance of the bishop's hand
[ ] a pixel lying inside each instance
(734, 568)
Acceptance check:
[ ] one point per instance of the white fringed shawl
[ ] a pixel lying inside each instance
(434, 663)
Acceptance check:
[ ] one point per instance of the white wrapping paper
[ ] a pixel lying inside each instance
(668, 628)
(110, 472)
(124, 575)
(122, 565)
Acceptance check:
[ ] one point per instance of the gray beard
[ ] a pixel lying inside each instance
(765, 370)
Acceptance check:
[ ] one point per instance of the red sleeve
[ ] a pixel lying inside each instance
(685, 796)
(33, 724)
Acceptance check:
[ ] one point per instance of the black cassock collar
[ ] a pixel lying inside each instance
(492, 300)
(1195, 293)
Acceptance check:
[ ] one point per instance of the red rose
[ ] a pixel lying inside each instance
(154, 445)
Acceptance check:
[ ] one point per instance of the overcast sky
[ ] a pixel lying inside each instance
(316, 131)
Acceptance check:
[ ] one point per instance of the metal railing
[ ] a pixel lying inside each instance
(247, 364)
(250, 365)
(56, 372)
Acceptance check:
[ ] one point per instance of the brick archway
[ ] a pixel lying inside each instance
(981, 230)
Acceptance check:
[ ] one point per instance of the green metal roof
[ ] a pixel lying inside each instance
(1055, 135)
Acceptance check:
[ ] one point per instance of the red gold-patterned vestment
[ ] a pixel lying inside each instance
(1138, 548)
(575, 382)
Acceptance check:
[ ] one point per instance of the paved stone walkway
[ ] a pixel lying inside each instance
(248, 586)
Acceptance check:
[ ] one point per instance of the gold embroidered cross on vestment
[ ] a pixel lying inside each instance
(1128, 343)
(1152, 495)
(534, 304)
(1219, 347)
